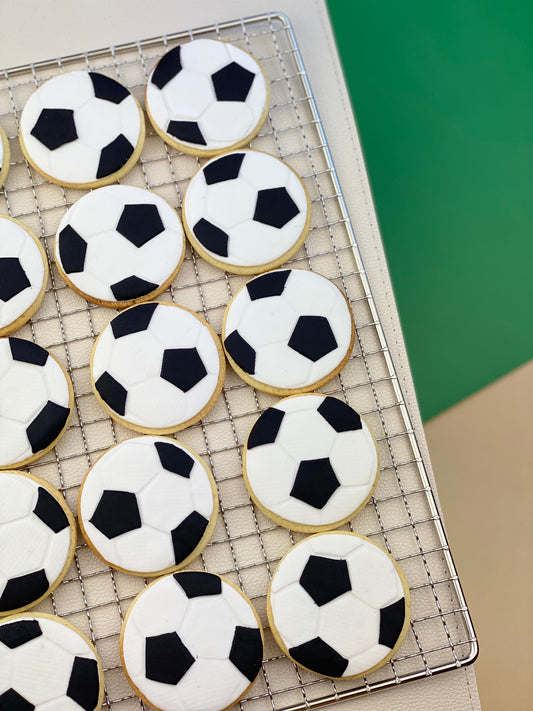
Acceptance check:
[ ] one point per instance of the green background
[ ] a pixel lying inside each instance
(443, 98)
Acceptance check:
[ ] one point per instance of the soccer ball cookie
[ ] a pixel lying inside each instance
(37, 540)
(191, 641)
(119, 245)
(157, 368)
(338, 605)
(5, 156)
(288, 331)
(148, 506)
(23, 274)
(36, 399)
(206, 96)
(48, 664)
(82, 130)
(246, 212)
(310, 462)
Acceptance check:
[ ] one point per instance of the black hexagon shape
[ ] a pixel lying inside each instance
(13, 278)
(174, 459)
(325, 579)
(50, 511)
(167, 659)
(117, 512)
(167, 68)
(241, 352)
(55, 127)
(140, 223)
(10, 700)
(114, 156)
(187, 535)
(318, 656)
(224, 168)
(27, 351)
(391, 621)
(275, 207)
(270, 284)
(312, 337)
(247, 651)
(196, 583)
(15, 634)
(108, 89)
(23, 590)
(133, 320)
(266, 428)
(183, 367)
(46, 426)
(211, 237)
(315, 482)
(132, 287)
(72, 250)
(232, 82)
(112, 392)
(188, 131)
(339, 415)
(84, 683)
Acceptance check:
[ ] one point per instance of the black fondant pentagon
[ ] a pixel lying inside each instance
(223, 168)
(140, 223)
(133, 320)
(270, 284)
(232, 82)
(318, 656)
(247, 651)
(188, 131)
(72, 250)
(315, 482)
(211, 237)
(116, 513)
(174, 459)
(266, 428)
(167, 659)
(167, 68)
(112, 392)
(197, 583)
(114, 156)
(187, 535)
(324, 579)
(132, 287)
(55, 127)
(312, 337)
(17, 633)
(13, 278)
(46, 426)
(50, 511)
(10, 700)
(183, 367)
(241, 351)
(108, 89)
(275, 207)
(84, 683)
(23, 590)
(339, 415)
(391, 621)
(27, 351)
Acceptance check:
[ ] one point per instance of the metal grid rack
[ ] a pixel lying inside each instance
(246, 546)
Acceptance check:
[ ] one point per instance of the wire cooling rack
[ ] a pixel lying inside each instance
(246, 546)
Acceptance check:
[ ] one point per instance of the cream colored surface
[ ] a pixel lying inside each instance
(483, 459)
(53, 29)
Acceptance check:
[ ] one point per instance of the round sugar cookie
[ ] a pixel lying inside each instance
(207, 96)
(191, 640)
(23, 274)
(48, 664)
(82, 130)
(288, 331)
(157, 368)
(148, 506)
(310, 462)
(246, 212)
(339, 605)
(36, 400)
(119, 245)
(37, 541)
(5, 156)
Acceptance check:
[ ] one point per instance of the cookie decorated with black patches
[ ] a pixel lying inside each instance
(288, 331)
(119, 245)
(36, 399)
(191, 640)
(148, 506)
(23, 274)
(37, 540)
(339, 605)
(82, 129)
(5, 156)
(246, 212)
(157, 368)
(48, 664)
(206, 96)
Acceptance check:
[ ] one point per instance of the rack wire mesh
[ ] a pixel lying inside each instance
(402, 515)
